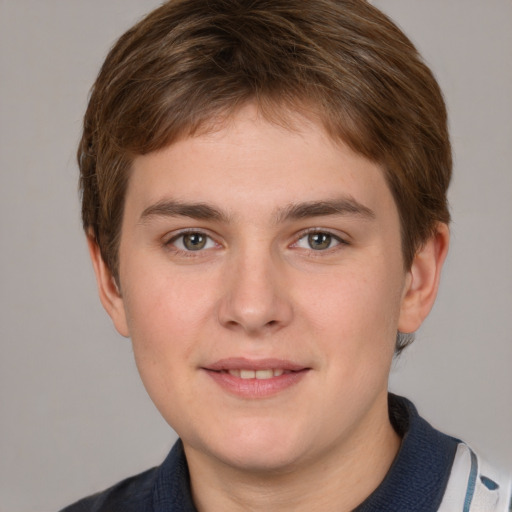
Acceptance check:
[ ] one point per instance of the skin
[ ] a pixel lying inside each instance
(262, 286)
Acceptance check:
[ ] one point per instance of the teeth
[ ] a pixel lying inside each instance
(256, 374)
(247, 374)
(264, 374)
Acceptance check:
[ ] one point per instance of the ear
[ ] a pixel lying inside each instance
(108, 290)
(422, 280)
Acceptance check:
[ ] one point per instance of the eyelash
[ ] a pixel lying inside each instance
(170, 243)
(319, 231)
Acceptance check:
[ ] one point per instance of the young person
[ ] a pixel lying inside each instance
(264, 197)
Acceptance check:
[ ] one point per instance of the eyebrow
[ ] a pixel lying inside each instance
(340, 206)
(172, 208)
(294, 211)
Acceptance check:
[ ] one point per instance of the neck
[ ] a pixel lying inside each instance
(337, 480)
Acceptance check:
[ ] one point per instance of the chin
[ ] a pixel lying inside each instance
(265, 460)
(260, 447)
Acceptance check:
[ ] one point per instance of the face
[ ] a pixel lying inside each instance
(262, 284)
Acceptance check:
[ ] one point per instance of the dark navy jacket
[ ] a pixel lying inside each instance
(415, 482)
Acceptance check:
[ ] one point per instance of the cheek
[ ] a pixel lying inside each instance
(165, 329)
(159, 300)
(165, 315)
(355, 312)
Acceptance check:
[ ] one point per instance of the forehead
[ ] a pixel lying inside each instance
(248, 161)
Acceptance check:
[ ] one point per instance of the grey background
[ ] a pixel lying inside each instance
(73, 416)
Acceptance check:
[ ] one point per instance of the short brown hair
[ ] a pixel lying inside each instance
(191, 61)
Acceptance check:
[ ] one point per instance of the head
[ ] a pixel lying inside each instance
(264, 189)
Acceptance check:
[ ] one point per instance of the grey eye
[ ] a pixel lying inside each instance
(319, 241)
(194, 241)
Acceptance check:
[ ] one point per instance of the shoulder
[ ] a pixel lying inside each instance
(164, 488)
(436, 472)
(466, 480)
(130, 495)
(475, 485)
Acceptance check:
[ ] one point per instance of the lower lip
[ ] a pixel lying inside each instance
(256, 388)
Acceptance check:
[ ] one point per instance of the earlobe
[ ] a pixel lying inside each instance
(108, 290)
(422, 281)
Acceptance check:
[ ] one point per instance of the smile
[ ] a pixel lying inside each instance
(255, 379)
(257, 374)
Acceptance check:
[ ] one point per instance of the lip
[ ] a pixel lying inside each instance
(236, 363)
(255, 388)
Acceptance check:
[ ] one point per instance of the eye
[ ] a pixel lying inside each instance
(192, 241)
(318, 241)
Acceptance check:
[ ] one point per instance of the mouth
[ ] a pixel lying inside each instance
(257, 374)
(251, 379)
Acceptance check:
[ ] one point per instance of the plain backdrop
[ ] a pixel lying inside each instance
(73, 416)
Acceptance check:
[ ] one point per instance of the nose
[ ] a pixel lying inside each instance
(255, 297)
